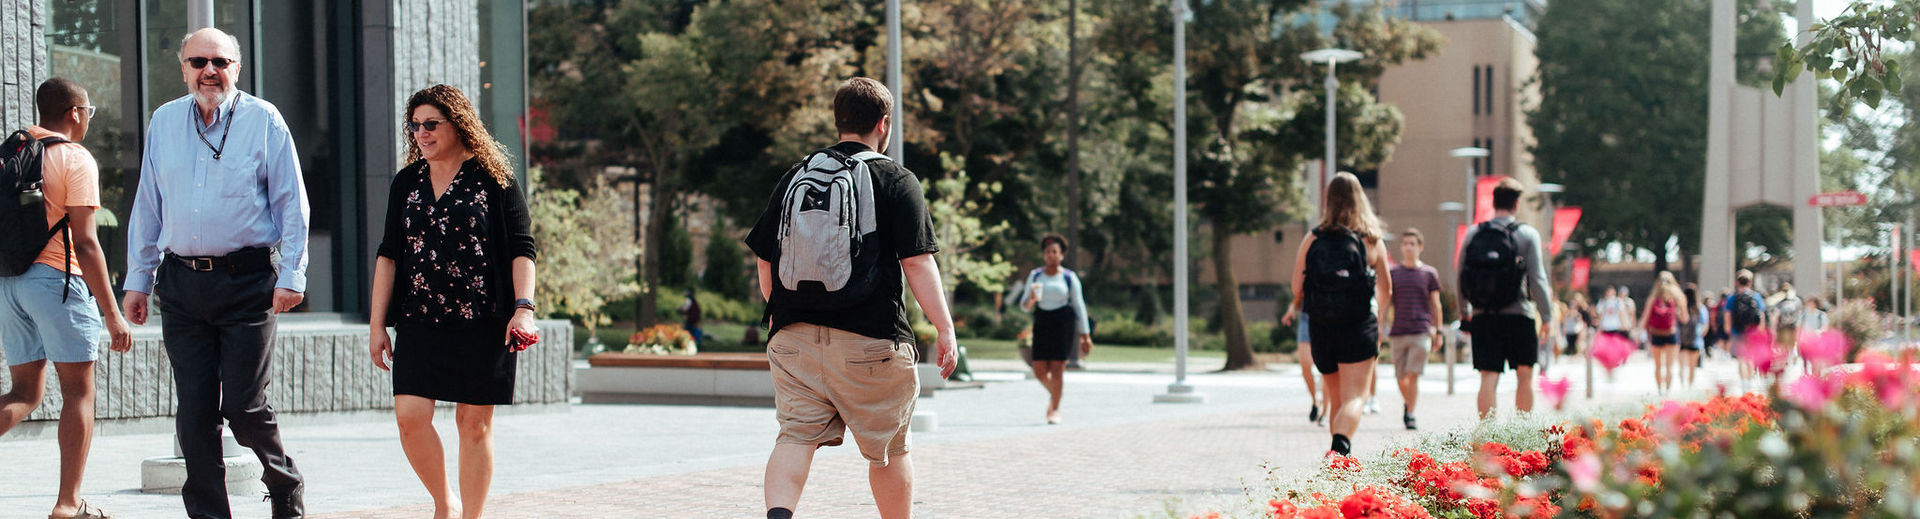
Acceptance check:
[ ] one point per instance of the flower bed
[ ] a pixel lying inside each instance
(662, 339)
(1845, 443)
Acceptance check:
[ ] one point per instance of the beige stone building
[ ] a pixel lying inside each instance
(1475, 92)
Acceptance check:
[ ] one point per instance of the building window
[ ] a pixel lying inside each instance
(1475, 93)
(1488, 84)
(88, 43)
(1489, 157)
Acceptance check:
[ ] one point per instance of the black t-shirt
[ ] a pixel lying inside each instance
(905, 228)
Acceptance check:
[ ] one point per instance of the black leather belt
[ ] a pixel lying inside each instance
(245, 260)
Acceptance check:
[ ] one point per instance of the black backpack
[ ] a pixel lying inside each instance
(1746, 311)
(24, 231)
(1338, 284)
(1492, 268)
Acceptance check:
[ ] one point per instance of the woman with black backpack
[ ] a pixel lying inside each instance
(1340, 275)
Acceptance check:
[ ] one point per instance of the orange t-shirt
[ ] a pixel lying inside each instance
(70, 178)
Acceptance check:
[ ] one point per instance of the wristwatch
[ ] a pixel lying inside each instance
(523, 303)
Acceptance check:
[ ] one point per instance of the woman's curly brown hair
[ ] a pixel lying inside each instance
(466, 123)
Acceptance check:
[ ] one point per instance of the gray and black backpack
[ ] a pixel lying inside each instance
(24, 229)
(827, 258)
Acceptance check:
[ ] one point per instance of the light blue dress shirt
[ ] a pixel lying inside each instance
(193, 204)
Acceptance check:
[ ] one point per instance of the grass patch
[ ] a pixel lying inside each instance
(990, 349)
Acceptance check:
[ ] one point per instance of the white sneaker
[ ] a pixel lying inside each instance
(1373, 406)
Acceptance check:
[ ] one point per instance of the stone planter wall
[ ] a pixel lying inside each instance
(318, 367)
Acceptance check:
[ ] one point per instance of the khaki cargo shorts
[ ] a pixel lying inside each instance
(1410, 353)
(828, 381)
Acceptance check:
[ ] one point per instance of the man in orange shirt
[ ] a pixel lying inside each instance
(46, 314)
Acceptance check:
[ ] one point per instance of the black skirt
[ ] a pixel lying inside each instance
(1055, 333)
(467, 362)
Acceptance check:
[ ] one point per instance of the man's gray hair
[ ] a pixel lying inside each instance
(181, 52)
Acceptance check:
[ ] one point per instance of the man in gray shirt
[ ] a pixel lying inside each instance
(1511, 334)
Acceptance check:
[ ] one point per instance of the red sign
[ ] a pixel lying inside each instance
(1483, 198)
(1838, 199)
(1459, 235)
(1913, 258)
(1581, 268)
(1564, 220)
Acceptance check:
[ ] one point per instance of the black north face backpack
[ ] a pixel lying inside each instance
(1338, 284)
(1491, 267)
(24, 231)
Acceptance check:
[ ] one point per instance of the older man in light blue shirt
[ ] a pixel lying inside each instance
(220, 194)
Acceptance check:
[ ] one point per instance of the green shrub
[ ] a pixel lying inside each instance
(713, 308)
(974, 321)
(1126, 331)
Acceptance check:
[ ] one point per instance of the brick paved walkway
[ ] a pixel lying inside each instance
(1205, 456)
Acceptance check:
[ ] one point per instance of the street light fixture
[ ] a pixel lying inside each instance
(1332, 57)
(1471, 154)
(1452, 339)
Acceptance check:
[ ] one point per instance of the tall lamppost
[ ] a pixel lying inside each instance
(1451, 209)
(1472, 154)
(1332, 57)
(1547, 190)
(1180, 391)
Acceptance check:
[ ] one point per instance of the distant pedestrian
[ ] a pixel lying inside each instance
(1575, 323)
(1615, 318)
(1340, 276)
(1501, 265)
(1665, 316)
(842, 351)
(1786, 309)
(1813, 319)
(690, 317)
(1416, 309)
(1695, 338)
(459, 243)
(55, 283)
(1059, 319)
(1743, 312)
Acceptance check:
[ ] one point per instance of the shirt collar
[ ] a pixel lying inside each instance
(226, 110)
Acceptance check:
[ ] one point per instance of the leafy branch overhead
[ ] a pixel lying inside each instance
(1852, 50)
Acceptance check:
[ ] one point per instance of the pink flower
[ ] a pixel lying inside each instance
(1823, 349)
(1892, 382)
(1585, 473)
(1813, 392)
(1674, 417)
(1611, 350)
(1756, 349)
(1555, 390)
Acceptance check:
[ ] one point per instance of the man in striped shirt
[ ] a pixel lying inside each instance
(1416, 305)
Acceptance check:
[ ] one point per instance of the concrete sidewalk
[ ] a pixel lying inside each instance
(1117, 455)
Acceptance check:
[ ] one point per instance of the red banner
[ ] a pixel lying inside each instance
(1913, 258)
(1483, 198)
(1581, 267)
(1459, 234)
(1564, 220)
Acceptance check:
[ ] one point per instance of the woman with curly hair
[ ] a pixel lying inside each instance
(459, 241)
(1059, 319)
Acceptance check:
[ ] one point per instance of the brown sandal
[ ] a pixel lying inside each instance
(87, 511)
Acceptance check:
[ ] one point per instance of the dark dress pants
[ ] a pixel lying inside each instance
(218, 328)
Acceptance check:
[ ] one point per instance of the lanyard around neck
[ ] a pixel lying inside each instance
(195, 114)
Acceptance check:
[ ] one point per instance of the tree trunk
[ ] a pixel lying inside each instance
(1073, 134)
(1232, 321)
(659, 201)
(1660, 258)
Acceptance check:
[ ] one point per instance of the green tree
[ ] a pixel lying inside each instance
(1854, 50)
(584, 259)
(1622, 120)
(727, 267)
(676, 253)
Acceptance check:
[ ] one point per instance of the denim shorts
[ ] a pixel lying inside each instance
(1300, 330)
(35, 325)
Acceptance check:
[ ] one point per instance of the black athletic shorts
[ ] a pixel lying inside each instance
(1663, 340)
(1336, 345)
(1500, 340)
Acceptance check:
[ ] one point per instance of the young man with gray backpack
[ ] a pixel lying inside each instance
(54, 294)
(1500, 266)
(845, 226)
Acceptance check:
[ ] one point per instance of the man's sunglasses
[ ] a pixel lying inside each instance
(219, 63)
(432, 125)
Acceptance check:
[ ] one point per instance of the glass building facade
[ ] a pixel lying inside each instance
(333, 68)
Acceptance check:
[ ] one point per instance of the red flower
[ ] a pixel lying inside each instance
(1282, 509)
(1347, 463)
(1364, 503)
(1322, 512)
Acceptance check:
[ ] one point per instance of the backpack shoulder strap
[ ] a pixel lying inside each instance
(870, 155)
(53, 139)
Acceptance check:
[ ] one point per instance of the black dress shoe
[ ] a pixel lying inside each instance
(288, 504)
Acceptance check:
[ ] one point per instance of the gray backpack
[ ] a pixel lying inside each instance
(827, 215)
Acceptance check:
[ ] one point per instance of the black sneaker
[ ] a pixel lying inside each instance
(1314, 415)
(287, 504)
(1410, 424)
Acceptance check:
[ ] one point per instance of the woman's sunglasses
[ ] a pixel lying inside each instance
(433, 125)
(219, 63)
